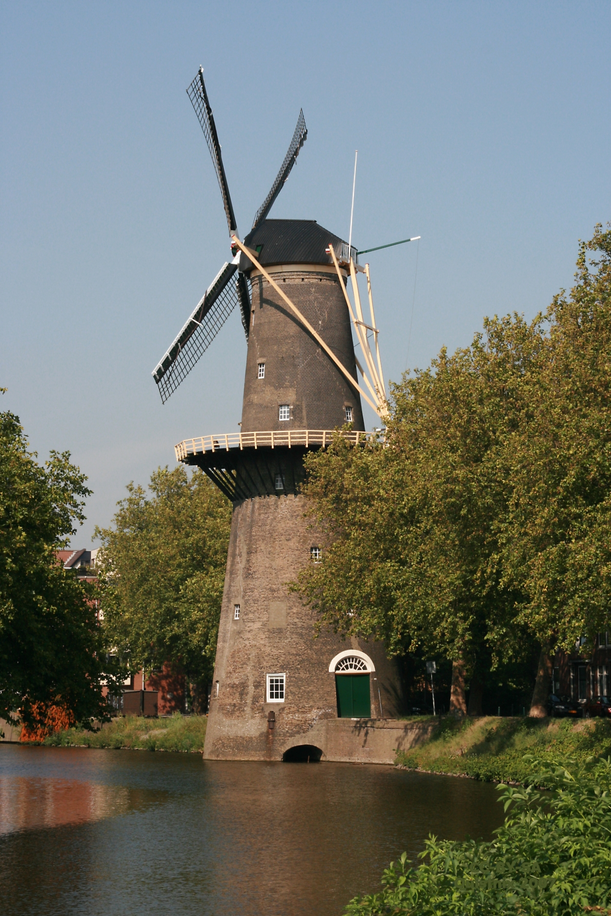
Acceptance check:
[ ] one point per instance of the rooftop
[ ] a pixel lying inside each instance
(293, 241)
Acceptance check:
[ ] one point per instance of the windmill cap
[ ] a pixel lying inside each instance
(290, 241)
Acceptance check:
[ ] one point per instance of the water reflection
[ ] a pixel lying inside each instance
(30, 803)
(101, 832)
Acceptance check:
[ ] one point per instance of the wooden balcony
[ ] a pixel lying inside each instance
(270, 439)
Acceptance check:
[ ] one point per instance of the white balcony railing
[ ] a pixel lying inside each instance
(285, 438)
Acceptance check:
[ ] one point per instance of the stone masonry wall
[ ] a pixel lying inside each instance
(270, 541)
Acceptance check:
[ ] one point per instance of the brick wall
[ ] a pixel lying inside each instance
(298, 372)
(270, 541)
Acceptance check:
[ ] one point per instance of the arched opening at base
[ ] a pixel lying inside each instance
(302, 753)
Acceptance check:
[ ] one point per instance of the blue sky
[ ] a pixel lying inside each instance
(482, 126)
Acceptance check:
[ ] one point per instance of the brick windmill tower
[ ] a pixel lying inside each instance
(279, 692)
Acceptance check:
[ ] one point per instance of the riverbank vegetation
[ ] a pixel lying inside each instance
(181, 734)
(476, 531)
(551, 857)
(53, 662)
(501, 749)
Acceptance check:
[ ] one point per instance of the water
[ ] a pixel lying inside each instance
(128, 833)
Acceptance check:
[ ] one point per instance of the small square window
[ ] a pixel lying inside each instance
(260, 370)
(236, 612)
(316, 554)
(275, 688)
(284, 412)
(348, 414)
(279, 482)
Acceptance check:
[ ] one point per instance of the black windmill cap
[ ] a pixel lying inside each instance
(290, 241)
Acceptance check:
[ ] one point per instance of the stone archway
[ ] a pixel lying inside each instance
(302, 753)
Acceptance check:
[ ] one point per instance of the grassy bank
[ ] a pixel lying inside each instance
(182, 734)
(499, 749)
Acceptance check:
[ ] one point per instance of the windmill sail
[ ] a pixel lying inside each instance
(199, 99)
(299, 138)
(195, 337)
(244, 299)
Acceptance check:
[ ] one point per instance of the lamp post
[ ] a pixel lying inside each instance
(431, 668)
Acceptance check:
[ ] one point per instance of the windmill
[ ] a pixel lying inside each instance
(277, 689)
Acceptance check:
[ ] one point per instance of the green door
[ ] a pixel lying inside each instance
(353, 698)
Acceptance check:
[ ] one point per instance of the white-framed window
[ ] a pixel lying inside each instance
(236, 612)
(275, 688)
(284, 412)
(315, 554)
(260, 370)
(603, 640)
(348, 414)
(279, 482)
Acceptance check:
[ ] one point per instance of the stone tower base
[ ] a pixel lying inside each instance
(267, 632)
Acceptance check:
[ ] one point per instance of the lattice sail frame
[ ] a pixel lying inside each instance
(199, 99)
(222, 295)
(300, 135)
(208, 317)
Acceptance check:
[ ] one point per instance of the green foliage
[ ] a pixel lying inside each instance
(412, 523)
(492, 749)
(50, 645)
(479, 528)
(180, 734)
(555, 545)
(551, 857)
(162, 569)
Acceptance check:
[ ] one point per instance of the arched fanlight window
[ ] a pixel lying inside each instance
(351, 663)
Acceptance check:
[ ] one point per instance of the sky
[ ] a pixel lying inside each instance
(481, 126)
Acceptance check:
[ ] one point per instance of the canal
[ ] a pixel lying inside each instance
(128, 833)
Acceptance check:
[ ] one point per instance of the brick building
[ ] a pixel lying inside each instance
(584, 673)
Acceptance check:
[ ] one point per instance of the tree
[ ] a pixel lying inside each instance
(555, 546)
(481, 523)
(412, 521)
(162, 569)
(51, 651)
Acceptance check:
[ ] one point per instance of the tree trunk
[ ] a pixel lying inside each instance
(476, 696)
(458, 696)
(538, 708)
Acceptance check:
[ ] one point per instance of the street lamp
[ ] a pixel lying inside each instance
(431, 668)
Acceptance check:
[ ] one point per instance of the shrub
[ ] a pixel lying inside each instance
(551, 857)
